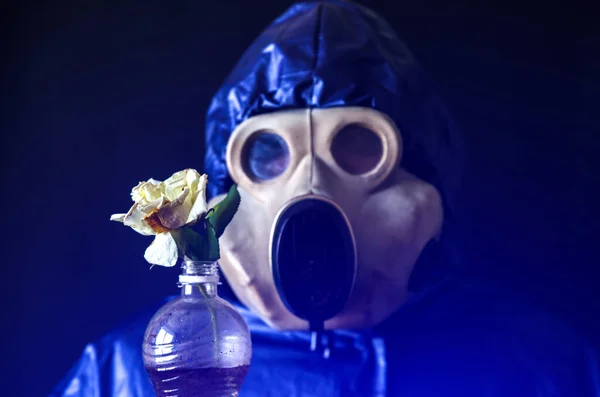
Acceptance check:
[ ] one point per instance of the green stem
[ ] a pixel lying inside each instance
(197, 248)
(213, 321)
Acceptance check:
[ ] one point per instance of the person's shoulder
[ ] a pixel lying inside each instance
(466, 304)
(541, 341)
(510, 311)
(500, 329)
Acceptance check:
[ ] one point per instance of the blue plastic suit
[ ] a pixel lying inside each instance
(450, 338)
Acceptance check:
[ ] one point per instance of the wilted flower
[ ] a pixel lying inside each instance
(160, 208)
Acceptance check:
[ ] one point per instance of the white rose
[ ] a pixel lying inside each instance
(160, 208)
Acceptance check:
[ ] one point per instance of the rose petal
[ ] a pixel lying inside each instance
(135, 220)
(163, 251)
(174, 185)
(153, 190)
(135, 192)
(146, 192)
(200, 206)
(153, 221)
(177, 177)
(118, 217)
(192, 179)
(151, 207)
(169, 205)
(174, 215)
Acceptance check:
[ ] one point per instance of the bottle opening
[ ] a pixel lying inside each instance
(196, 272)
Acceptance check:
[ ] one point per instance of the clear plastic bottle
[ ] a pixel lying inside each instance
(197, 344)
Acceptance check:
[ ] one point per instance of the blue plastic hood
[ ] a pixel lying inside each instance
(330, 54)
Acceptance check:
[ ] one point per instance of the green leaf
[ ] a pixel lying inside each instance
(200, 246)
(202, 242)
(195, 245)
(192, 244)
(223, 212)
(213, 253)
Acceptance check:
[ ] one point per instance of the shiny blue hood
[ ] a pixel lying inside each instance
(329, 54)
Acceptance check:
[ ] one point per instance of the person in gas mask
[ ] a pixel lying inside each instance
(339, 256)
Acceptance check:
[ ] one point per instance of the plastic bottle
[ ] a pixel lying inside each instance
(197, 344)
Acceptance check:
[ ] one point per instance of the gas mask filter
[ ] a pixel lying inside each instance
(313, 259)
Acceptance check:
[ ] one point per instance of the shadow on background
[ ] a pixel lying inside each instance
(102, 95)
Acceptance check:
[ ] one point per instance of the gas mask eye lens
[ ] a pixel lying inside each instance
(357, 149)
(265, 156)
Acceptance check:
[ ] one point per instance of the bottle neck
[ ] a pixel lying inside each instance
(199, 278)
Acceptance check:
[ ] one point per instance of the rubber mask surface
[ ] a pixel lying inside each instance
(349, 156)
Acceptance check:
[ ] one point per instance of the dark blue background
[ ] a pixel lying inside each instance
(101, 95)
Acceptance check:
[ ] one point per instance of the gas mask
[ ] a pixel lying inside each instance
(329, 226)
